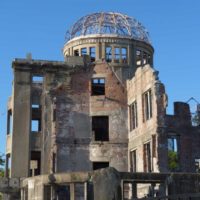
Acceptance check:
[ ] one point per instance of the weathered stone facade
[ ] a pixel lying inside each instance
(103, 106)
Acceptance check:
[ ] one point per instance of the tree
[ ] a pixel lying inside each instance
(2, 162)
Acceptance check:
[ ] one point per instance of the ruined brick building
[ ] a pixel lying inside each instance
(104, 105)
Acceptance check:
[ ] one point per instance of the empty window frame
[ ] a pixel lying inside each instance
(173, 159)
(37, 79)
(35, 106)
(83, 51)
(147, 157)
(62, 192)
(108, 54)
(145, 58)
(98, 86)
(76, 52)
(35, 125)
(133, 115)
(35, 163)
(100, 128)
(117, 55)
(36, 118)
(9, 122)
(124, 54)
(138, 57)
(133, 161)
(92, 53)
(149, 59)
(147, 105)
(100, 165)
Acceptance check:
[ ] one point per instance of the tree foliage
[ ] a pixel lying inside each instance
(173, 160)
(2, 162)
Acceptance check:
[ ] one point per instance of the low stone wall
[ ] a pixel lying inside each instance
(104, 184)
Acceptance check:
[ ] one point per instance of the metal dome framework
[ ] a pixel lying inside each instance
(109, 23)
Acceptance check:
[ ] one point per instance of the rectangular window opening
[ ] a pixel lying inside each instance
(173, 158)
(35, 163)
(145, 58)
(37, 79)
(100, 128)
(138, 57)
(147, 105)
(149, 59)
(98, 86)
(35, 125)
(9, 122)
(76, 52)
(108, 54)
(35, 106)
(133, 161)
(83, 51)
(133, 115)
(62, 192)
(124, 55)
(117, 54)
(147, 157)
(92, 54)
(100, 165)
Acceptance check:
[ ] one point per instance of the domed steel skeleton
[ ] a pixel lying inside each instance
(108, 23)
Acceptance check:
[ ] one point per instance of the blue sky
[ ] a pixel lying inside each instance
(39, 27)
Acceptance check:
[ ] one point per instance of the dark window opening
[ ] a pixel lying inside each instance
(79, 191)
(147, 157)
(35, 163)
(133, 115)
(76, 52)
(149, 59)
(100, 165)
(147, 105)
(92, 54)
(154, 146)
(54, 163)
(124, 55)
(173, 159)
(37, 79)
(48, 192)
(138, 57)
(98, 86)
(100, 128)
(62, 192)
(133, 161)
(9, 122)
(83, 51)
(108, 54)
(117, 55)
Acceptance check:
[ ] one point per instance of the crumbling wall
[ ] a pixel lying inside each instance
(146, 131)
(179, 126)
(114, 105)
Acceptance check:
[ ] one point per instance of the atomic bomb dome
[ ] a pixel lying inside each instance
(108, 23)
(111, 36)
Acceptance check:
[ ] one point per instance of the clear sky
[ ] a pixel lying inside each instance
(39, 26)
